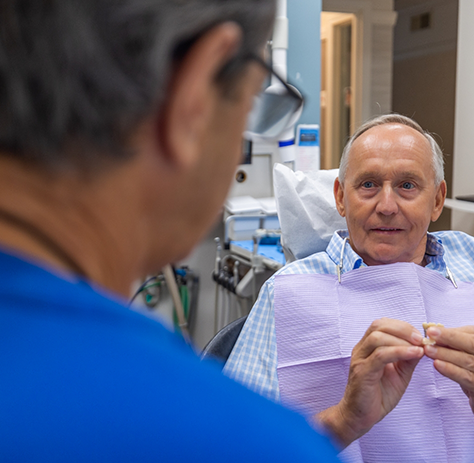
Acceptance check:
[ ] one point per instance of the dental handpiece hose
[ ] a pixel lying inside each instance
(173, 288)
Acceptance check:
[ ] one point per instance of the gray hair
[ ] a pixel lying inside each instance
(437, 161)
(76, 76)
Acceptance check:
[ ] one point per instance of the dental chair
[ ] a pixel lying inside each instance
(221, 345)
(308, 217)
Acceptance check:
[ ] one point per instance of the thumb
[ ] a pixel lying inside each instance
(406, 368)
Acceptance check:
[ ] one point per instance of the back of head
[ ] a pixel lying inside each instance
(437, 160)
(77, 76)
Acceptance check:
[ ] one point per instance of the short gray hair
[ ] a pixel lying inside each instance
(76, 76)
(437, 161)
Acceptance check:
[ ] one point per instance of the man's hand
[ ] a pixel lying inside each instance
(453, 356)
(382, 365)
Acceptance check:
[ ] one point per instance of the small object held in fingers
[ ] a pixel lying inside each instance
(428, 341)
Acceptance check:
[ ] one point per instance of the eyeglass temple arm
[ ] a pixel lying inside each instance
(288, 87)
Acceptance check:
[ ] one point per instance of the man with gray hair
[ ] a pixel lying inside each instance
(114, 115)
(310, 332)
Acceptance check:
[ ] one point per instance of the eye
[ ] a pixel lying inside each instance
(408, 186)
(368, 184)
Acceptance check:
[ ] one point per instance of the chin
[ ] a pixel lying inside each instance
(385, 259)
(183, 254)
(171, 256)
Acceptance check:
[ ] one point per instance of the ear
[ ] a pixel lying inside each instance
(339, 197)
(193, 95)
(439, 201)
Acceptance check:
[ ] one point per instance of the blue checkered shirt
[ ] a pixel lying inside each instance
(253, 361)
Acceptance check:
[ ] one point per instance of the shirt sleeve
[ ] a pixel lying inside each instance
(253, 361)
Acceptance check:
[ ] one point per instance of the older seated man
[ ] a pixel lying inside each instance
(390, 187)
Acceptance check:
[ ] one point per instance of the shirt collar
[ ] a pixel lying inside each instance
(434, 246)
(351, 260)
(434, 253)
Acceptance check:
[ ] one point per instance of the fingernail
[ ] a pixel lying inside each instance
(440, 363)
(417, 337)
(415, 350)
(433, 332)
(430, 349)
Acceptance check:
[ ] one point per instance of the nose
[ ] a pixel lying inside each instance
(387, 201)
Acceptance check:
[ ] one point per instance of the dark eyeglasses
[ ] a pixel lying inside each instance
(273, 110)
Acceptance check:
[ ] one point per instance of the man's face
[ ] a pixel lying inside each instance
(389, 195)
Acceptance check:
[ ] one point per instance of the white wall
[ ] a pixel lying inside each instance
(424, 76)
(463, 168)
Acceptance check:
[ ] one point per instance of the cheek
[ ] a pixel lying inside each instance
(420, 216)
(356, 230)
(360, 212)
(221, 173)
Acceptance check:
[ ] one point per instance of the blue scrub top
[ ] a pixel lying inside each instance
(83, 378)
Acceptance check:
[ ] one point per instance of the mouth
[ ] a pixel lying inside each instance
(386, 230)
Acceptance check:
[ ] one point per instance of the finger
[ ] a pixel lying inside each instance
(405, 368)
(397, 328)
(456, 338)
(461, 376)
(375, 340)
(384, 355)
(466, 329)
(456, 357)
(397, 375)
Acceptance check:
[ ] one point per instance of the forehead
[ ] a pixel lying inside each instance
(391, 145)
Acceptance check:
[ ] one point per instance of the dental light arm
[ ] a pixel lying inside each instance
(279, 125)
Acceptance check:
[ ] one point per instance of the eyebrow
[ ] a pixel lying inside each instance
(409, 175)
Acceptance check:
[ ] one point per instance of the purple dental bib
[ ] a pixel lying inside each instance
(318, 322)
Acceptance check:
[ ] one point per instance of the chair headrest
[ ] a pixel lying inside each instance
(306, 210)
